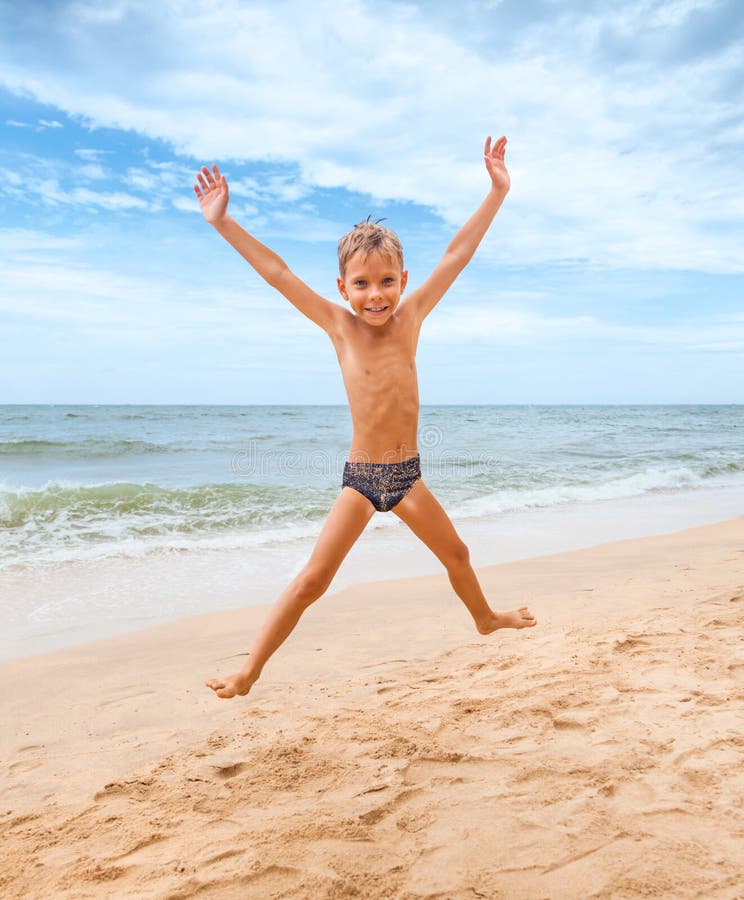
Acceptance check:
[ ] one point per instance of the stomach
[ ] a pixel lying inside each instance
(384, 441)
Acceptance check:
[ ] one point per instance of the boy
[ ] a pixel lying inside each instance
(375, 343)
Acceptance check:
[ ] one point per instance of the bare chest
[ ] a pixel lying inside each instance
(378, 363)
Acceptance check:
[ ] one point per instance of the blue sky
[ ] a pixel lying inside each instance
(612, 274)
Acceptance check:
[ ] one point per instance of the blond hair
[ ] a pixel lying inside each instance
(368, 237)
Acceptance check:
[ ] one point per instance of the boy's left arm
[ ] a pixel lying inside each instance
(462, 247)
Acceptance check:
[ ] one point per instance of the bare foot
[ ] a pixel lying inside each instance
(517, 618)
(232, 685)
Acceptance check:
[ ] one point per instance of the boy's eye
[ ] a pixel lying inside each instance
(359, 283)
(388, 280)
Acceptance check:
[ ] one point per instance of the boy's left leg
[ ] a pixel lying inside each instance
(427, 519)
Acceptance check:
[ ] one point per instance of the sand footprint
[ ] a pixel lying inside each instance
(225, 771)
(24, 765)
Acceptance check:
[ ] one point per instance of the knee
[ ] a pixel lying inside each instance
(458, 556)
(310, 584)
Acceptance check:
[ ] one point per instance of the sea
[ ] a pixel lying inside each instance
(116, 517)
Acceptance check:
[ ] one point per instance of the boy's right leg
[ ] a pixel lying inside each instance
(347, 519)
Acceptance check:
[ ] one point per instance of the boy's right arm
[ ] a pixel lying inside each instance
(213, 195)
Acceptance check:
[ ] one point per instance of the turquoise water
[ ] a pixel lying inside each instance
(90, 482)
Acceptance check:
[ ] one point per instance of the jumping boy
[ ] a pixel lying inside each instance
(375, 343)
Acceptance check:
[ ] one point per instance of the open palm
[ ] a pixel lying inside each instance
(213, 194)
(494, 158)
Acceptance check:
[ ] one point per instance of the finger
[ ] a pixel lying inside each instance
(222, 182)
(208, 175)
(217, 174)
(202, 182)
(198, 192)
(487, 148)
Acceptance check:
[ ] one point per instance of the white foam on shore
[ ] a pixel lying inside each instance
(54, 605)
(65, 521)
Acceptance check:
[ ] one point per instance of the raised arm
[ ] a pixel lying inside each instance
(465, 242)
(213, 194)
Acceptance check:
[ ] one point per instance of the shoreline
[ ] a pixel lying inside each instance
(117, 596)
(390, 749)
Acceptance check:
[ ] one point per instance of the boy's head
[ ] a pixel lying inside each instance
(365, 238)
(370, 263)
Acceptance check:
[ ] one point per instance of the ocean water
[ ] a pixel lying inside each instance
(114, 518)
(90, 482)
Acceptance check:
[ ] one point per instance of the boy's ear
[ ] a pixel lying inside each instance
(342, 288)
(403, 280)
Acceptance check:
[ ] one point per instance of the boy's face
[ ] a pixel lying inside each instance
(373, 285)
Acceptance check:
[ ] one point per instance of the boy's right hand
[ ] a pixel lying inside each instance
(213, 194)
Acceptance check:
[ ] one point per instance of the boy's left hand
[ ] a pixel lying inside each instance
(494, 158)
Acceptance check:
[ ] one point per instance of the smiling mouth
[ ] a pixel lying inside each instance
(375, 309)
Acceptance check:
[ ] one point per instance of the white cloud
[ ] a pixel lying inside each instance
(111, 200)
(508, 326)
(609, 165)
(41, 125)
(141, 309)
(187, 205)
(282, 188)
(55, 182)
(94, 172)
(48, 280)
(90, 154)
(51, 193)
(141, 179)
(28, 246)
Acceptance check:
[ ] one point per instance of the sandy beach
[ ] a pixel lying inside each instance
(391, 751)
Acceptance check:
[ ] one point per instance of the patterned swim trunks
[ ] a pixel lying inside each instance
(383, 484)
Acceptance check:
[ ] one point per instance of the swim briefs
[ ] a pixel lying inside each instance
(383, 484)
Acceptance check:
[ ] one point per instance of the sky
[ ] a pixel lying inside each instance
(613, 272)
